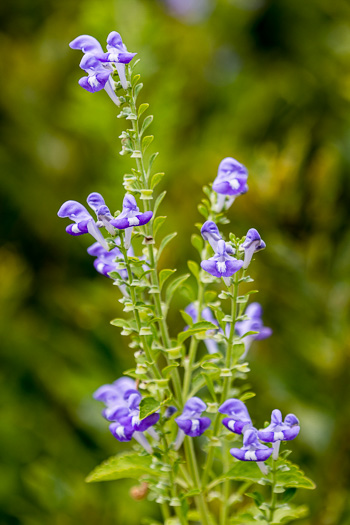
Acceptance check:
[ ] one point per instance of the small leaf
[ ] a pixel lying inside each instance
(202, 326)
(174, 285)
(151, 161)
(125, 465)
(165, 241)
(146, 123)
(122, 323)
(157, 223)
(210, 386)
(257, 497)
(203, 211)
(163, 276)
(142, 109)
(158, 201)
(146, 141)
(246, 396)
(210, 296)
(148, 406)
(186, 317)
(288, 494)
(194, 268)
(197, 242)
(135, 79)
(168, 369)
(156, 178)
(293, 477)
(137, 90)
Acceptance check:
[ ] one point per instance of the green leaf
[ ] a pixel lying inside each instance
(157, 223)
(148, 406)
(210, 386)
(122, 323)
(186, 317)
(156, 178)
(210, 296)
(146, 123)
(163, 275)
(197, 242)
(165, 241)
(246, 396)
(151, 161)
(135, 79)
(168, 369)
(202, 326)
(203, 210)
(142, 109)
(194, 268)
(125, 465)
(293, 477)
(173, 286)
(288, 495)
(146, 141)
(290, 513)
(257, 497)
(158, 201)
(137, 90)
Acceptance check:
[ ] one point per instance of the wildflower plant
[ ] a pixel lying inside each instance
(181, 410)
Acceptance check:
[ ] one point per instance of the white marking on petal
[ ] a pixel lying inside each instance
(100, 267)
(75, 229)
(250, 455)
(93, 81)
(135, 420)
(231, 425)
(278, 436)
(113, 57)
(221, 266)
(120, 432)
(133, 221)
(234, 184)
(195, 425)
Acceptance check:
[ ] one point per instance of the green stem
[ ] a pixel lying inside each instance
(227, 379)
(152, 260)
(273, 493)
(191, 460)
(173, 486)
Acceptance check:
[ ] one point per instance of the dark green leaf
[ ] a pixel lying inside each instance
(148, 406)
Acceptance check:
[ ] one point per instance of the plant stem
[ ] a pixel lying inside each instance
(273, 493)
(191, 460)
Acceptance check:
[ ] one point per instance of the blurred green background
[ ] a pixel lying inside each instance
(264, 81)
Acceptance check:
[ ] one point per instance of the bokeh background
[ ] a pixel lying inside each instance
(264, 81)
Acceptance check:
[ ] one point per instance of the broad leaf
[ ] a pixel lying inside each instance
(125, 465)
(148, 406)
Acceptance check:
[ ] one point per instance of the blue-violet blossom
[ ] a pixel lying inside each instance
(279, 430)
(222, 264)
(230, 181)
(252, 450)
(210, 232)
(84, 222)
(253, 243)
(239, 418)
(130, 217)
(122, 408)
(190, 421)
(253, 324)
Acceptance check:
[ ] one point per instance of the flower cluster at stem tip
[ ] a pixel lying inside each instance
(114, 257)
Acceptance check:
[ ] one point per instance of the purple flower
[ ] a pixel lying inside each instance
(231, 181)
(279, 430)
(105, 261)
(122, 408)
(207, 315)
(222, 265)
(190, 421)
(118, 55)
(100, 66)
(84, 222)
(113, 395)
(130, 217)
(252, 449)
(210, 233)
(253, 243)
(253, 324)
(239, 416)
(99, 77)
